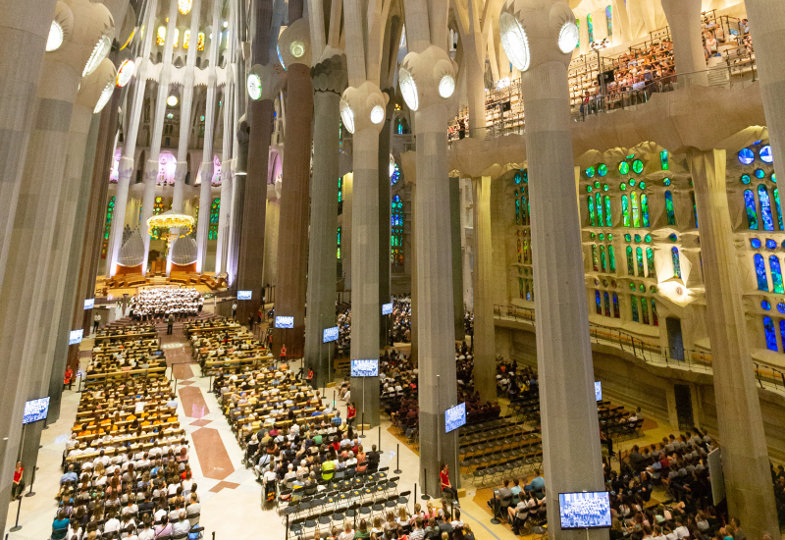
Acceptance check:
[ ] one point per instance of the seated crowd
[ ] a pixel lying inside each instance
(126, 466)
(149, 304)
(139, 348)
(221, 342)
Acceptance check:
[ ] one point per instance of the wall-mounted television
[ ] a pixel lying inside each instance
(282, 321)
(244, 295)
(35, 410)
(454, 417)
(365, 367)
(585, 510)
(330, 334)
(75, 337)
(89, 303)
(387, 308)
(598, 390)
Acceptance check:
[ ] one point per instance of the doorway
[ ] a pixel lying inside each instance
(683, 397)
(675, 343)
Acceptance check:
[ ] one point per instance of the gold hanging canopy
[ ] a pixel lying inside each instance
(182, 222)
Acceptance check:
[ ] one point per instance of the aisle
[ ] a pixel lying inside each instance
(229, 493)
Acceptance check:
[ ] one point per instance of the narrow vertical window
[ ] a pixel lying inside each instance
(598, 208)
(769, 334)
(752, 212)
(669, 212)
(597, 302)
(636, 211)
(590, 205)
(639, 259)
(654, 319)
(776, 274)
(594, 261)
(765, 208)
(609, 215)
(650, 262)
(630, 262)
(612, 259)
(645, 209)
(634, 306)
(625, 210)
(778, 207)
(607, 303)
(616, 313)
(760, 272)
(603, 259)
(644, 310)
(676, 262)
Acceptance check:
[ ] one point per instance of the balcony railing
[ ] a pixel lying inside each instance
(650, 351)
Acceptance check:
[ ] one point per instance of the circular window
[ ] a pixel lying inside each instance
(624, 167)
(637, 166)
(589, 172)
(602, 169)
(746, 156)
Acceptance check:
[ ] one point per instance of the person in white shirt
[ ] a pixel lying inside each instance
(182, 526)
(348, 532)
(112, 524)
(681, 531)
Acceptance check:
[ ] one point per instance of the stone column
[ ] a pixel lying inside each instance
(329, 80)
(126, 165)
(767, 24)
(293, 233)
(571, 447)
(151, 166)
(205, 197)
(457, 268)
(684, 19)
(361, 100)
(482, 282)
(22, 302)
(23, 34)
(384, 219)
(224, 215)
(745, 461)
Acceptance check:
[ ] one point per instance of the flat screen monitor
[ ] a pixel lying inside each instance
(365, 368)
(89, 303)
(244, 295)
(598, 390)
(284, 322)
(75, 337)
(330, 334)
(387, 308)
(585, 510)
(35, 410)
(454, 417)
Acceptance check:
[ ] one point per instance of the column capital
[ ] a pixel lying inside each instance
(329, 75)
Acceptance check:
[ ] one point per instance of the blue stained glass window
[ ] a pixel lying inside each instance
(395, 175)
(645, 209)
(760, 174)
(755, 243)
(776, 274)
(672, 237)
(607, 303)
(634, 304)
(765, 208)
(781, 308)
(765, 154)
(760, 272)
(612, 259)
(616, 312)
(602, 169)
(609, 216)
(597, 301)
(770, 244)
(676, 262)
(670, 213)
(752, 212)
(765, 305)
(746, 156)
(637, 238)
(517, 178)
(782, 331)
(590, 172)
(778, 207)
(768, 332)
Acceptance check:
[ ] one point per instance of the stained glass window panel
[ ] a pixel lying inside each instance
(760, 272)
(776, 274)
(769, 334)
(612, 259)
(645, 209)
(765, 208)
(752, 213)
(636, 212)
(630, 263)
(669, 212)
(676, 262)
(609, 216)
(650, 261)
(625, 210)
(634, 306)
(639, 259)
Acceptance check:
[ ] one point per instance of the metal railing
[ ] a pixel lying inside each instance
(650, 351)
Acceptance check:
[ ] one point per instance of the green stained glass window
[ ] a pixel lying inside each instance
(599, 209)
(215, 212)
(636, 211)
(776, 274)
(637, 166)
(107, 226)
(396, 231)
(669, 212)
(664, 160)
(650, 262)
(603, 259)
(644, 310)
(634, 305)
(630, 262)
(778, 207)
(609, 21)
(590, 27)
(590, 204)
(645, 209)
(624, 168)
(594, 260)
(639, 260)
(625, 210)
(608, 215)
(338, 243)
(589, 172)
(611, 259)
(602, 169)
(752, 212)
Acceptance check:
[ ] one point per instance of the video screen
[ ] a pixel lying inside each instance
(35, 410)
(387, 308)
(598, 390)
(365, 368)
(454, 417)
(75, 337)
(330, 334)
(284, 322)
(89, 303)
(244, 295)
(586, 510)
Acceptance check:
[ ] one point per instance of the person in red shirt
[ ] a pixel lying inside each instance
(283, 353)
(18, 487)
(309, 378)
(351, 413)
(446, 486)
(69, 376)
